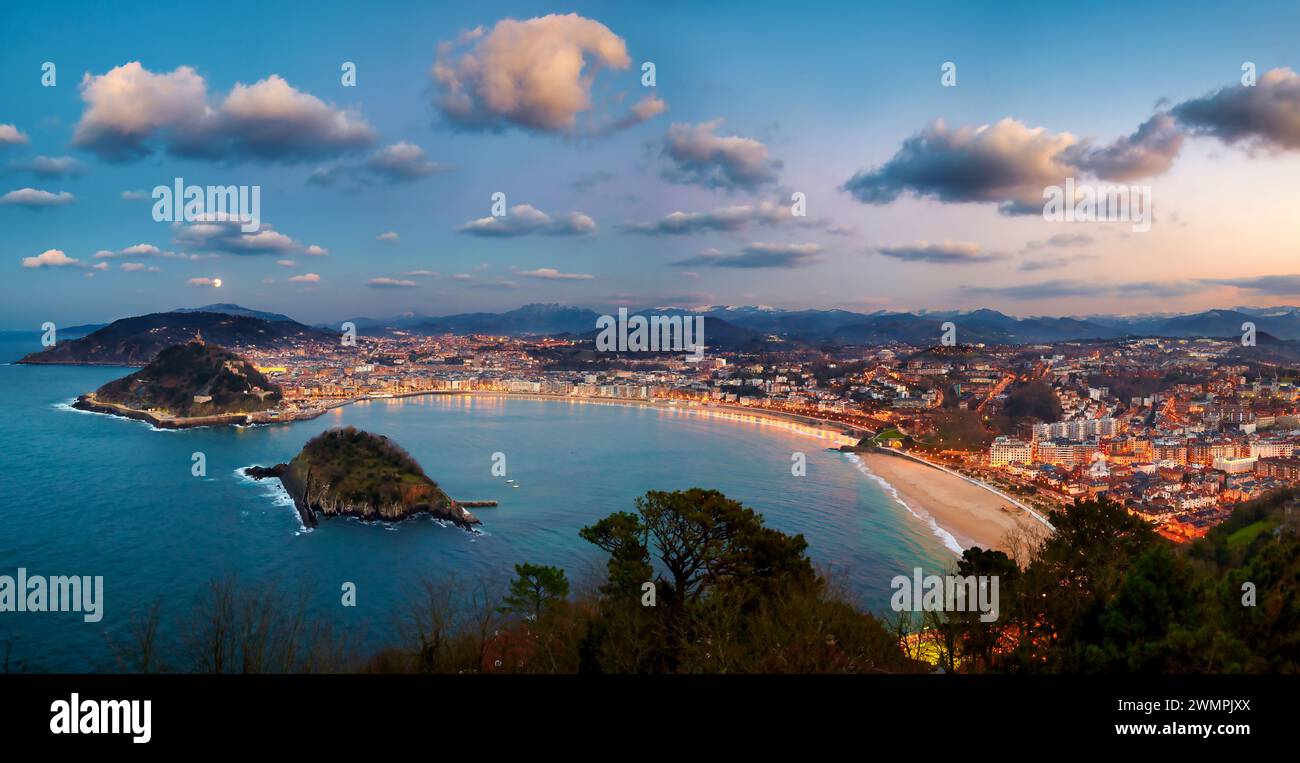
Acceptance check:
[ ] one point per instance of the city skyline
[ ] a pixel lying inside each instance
(918, 196)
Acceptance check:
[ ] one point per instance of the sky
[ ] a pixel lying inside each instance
(795, 155)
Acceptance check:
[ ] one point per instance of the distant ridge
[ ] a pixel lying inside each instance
(137, 341)
(880, 327)
(228, 309)
(126, 341)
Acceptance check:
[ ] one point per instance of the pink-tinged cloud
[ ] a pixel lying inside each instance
(34, 198)
(551, 274)
(51, 258)
(1265, 115)
(12, 136)
(131, 112)
(1009, 163)
(524, 219)
(535, 74)
(390, 283)
(703, 157)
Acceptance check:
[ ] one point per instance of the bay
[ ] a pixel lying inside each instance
(86, 494)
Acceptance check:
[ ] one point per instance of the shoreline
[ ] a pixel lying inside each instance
(800, 424)
(89, 404)
(797, 423)
(840, 433)
(960, 512)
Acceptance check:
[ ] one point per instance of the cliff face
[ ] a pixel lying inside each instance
(346, 472)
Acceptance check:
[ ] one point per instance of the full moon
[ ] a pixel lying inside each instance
(216, 283)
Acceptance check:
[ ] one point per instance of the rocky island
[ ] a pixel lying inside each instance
(348, 472)
(189, 385)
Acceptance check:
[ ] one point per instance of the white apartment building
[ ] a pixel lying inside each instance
(1008, 450)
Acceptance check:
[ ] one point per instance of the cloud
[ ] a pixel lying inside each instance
(33, 198)
(524, 219)
(388, 237)
(286, 263)
(134, 267)
(131, 112)
(225, 237)
(315, 251)
(1052, 263)
(398, 163)
(402, 161)
(643, 110)
(1061, 288)
(51, 258)
(474, 282)
(1265, 116)
(725, 219)
(1276, 285)
(551, 274)
(305, 278)
(943, 253)
(135, 196)
(702, 157)
(390, 283)
(421, 273)
(758, 255)
(142, 250)
(1067, 240)
(203, 282)
(1005, 162)
(51, 166)
(11, 136)
(535, 74)
(1009, 163)
(1149, 151)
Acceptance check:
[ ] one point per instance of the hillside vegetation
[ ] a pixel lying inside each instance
(347, 467)
(182, 378)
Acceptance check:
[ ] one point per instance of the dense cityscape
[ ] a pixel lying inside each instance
(1177, 430)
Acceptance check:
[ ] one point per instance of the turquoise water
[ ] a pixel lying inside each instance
(85, 494)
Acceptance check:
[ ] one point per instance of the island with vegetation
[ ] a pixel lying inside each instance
(188, 385)
(352, 473)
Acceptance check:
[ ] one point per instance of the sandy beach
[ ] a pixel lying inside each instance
(972, 515)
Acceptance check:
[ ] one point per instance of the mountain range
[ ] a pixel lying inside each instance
(880, 327)
(136, 340)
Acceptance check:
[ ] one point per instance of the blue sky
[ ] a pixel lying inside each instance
(753, 102)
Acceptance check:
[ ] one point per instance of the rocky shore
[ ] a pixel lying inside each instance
(347, 473)
(88, 403)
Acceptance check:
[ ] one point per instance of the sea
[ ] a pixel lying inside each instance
(94, 495)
